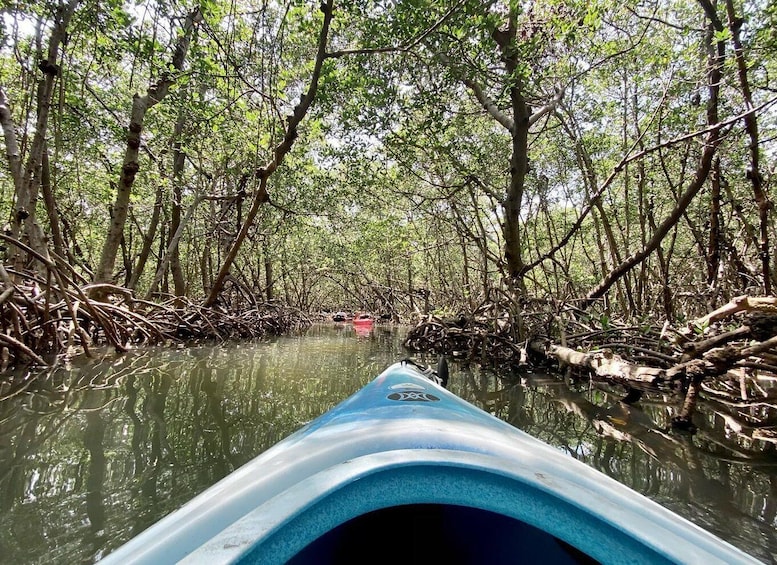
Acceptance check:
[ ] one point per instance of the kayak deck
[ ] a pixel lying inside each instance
(415, 472)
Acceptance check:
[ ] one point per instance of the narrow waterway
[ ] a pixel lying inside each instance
(101, 450)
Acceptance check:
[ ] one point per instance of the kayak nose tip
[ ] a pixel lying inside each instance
(439, 375)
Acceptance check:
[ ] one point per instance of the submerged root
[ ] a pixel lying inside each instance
(43, 317)
(487, 336)
(729, 355)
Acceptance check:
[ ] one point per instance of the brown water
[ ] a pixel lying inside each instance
(104, 449)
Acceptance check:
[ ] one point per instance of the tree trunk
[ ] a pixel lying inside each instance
(268, 277)
(751, 125)
(172, 247)
(27, 182)
(179, 159)
(519, 160)
(140, 106)
(126, 252)
(148, 239)
(713, 243)
(11, 144)
(51, 207)
(518, 125)
(587, 168)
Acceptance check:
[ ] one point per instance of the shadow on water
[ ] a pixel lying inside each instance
(101, 450)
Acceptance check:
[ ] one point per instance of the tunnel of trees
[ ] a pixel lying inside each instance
(576, 180)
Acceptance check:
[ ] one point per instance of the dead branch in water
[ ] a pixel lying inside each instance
(729, 355)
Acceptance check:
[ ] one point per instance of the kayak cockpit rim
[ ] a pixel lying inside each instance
(281, 529)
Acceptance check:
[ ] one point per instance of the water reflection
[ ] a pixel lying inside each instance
(719, 484)
(102, 450)
(362, 330)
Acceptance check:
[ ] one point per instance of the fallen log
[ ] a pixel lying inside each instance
(602, 363)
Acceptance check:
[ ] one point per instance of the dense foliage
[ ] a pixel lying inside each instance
(395, 156)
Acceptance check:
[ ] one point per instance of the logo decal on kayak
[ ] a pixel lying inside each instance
(412, 396)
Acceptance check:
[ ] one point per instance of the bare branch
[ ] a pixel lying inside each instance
(549, 107)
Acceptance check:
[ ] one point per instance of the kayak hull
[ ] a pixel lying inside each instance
(415, 469)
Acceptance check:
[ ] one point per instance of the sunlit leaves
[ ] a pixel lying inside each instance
(394, 132)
